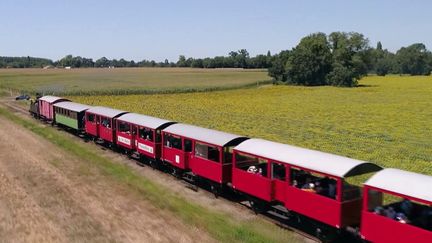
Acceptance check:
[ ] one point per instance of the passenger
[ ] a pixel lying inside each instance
(295, 183)
(379, 210)
(309, 187)
(390, 213)
(147, 137)
(252, 169)
(402, 218)
(318, 188)
(332, 190)
(406, 207)
(260, 171)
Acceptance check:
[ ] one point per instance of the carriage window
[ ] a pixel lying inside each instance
(91, 118)
(251, 164)
(207, 152)
(188, 145)
(228, 151)
(172, 141)
(314, 182)
(146, 133)
(106, 122)
(278, 171)
(158, 136)
(124, 127)
(74, 115)
(400, 209)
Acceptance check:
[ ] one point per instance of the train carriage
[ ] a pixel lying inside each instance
(70, 114)
(141, 133)
(46, 106)
(405, 215)
(207, 153)
(308, 182)
(100, 123)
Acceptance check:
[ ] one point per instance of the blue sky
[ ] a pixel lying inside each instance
(166, 29)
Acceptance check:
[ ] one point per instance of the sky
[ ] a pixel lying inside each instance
(141, 29)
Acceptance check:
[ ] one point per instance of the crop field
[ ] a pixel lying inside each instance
(93, 81)
(387, 120)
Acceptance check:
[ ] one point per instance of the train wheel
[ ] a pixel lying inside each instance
(215, 189)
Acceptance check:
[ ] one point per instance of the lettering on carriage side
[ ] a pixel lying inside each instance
(124, 140)
(145, 147)
(177, 159)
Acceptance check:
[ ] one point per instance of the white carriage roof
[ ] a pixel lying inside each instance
(105, 111)
(50, 99)
(403, 182)
(202, 134)
(77, 107)
(143, 120)
(330, 164)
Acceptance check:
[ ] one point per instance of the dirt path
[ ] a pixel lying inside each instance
(46, 195)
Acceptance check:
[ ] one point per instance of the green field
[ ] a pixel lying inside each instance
(387, 120)
(126, 80)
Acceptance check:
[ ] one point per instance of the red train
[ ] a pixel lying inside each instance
(392, 206)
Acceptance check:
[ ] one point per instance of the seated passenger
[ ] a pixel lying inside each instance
(402, 218)
(390, 213)
(379, 210)
(309, 187)
(318, 188)
(260, 171)
(252, 169)
(406, 207)
(332, 190)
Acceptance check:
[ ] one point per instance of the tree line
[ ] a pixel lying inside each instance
(342, 58)
(339, 59)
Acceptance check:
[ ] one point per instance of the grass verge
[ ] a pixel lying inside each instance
(220, 226)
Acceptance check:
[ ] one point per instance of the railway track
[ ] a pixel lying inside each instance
(11, 104)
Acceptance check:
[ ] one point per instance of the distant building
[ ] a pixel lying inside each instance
(68, 67)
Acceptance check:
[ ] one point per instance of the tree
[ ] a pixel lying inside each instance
(413, 60)
(181, 61)
(310, 61)
(351, 58)
(102, 62)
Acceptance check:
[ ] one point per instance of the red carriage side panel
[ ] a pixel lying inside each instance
(125, 140)
(91, 126)
(126, 134)
(252, 184)
(315, 206)
(207, 169)
(148, 148)
(376, 228)
(175, 157)
(279, 189)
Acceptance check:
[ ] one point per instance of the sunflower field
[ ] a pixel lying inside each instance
(386, 120)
